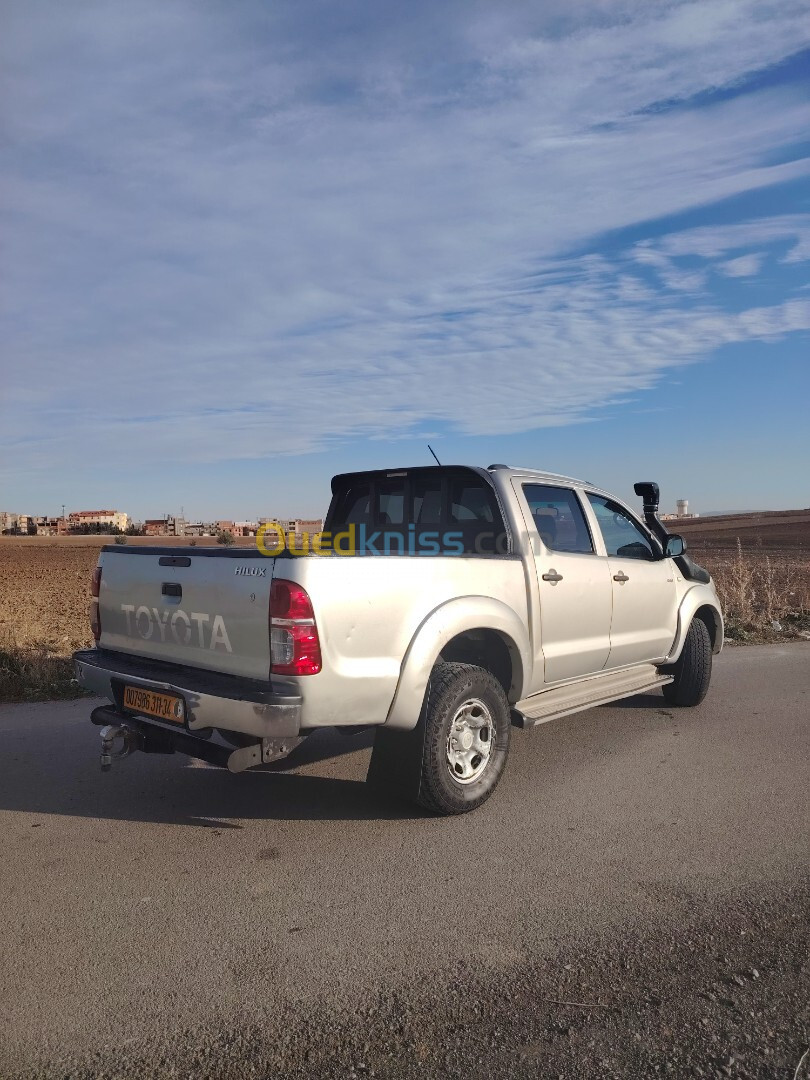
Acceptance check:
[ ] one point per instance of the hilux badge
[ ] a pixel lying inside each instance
(251, 571)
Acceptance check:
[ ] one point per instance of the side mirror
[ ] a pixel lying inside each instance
(676, 545)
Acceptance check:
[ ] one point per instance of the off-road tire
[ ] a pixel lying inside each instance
(450, 686)
(692, 670)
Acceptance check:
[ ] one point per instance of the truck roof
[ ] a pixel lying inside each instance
(541, 474)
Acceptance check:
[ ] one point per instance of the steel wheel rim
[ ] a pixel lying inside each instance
(470, 741)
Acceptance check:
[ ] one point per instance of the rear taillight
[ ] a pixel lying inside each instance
(294, 645)
(95, 613)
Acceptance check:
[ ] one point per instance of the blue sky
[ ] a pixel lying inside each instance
(246, 246)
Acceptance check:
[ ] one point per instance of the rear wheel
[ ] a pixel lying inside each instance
(692, 670)
(467, 725)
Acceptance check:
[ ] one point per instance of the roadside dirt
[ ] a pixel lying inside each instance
(44, 593)
(783, 532)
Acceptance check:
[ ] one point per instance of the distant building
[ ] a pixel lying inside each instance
(165, 526)
(297, 526)
(295, 529)
(112, 518)
(306, 525)
(681, 512)
(25, 523)
(52, 526)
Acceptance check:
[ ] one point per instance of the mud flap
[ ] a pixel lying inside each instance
(395, 770)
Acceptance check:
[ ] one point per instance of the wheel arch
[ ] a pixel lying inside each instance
(699, 603)
(714, 624)
(488, 649)
(474, 630)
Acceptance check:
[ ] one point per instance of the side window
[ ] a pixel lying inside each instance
(623, 537)
(558, 518)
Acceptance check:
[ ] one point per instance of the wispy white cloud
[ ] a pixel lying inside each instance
(670, 273)
(742, 266)
(233, 234)
(791, 231)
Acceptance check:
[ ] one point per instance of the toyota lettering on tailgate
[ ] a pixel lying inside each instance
(198, 630)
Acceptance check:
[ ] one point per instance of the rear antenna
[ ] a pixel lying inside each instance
(430, 448)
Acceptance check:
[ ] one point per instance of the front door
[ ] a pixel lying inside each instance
(645, 601)
(571, 618)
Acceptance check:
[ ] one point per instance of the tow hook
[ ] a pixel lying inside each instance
(109, 735)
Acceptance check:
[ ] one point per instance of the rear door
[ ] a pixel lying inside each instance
(571, 624)
(645, 601)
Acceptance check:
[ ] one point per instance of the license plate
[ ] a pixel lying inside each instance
(152, 703)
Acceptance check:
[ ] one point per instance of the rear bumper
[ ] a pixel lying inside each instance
(151, 738)
(212, 700)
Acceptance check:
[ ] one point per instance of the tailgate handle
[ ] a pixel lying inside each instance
(174, 560)
(171, 588)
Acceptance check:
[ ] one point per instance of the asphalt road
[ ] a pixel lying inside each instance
(172, 919)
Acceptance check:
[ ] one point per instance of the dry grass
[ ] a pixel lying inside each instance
(761, 592)
(34, 672)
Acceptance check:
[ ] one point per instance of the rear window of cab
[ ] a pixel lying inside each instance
(421, 512)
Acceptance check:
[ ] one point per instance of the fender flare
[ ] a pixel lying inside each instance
(700, 598)
(442, 625)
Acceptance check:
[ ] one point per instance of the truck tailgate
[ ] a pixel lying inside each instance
(205, 608)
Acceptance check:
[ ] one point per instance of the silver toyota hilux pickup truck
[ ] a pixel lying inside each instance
(440, 606)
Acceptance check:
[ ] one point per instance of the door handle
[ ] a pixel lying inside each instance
(553, 577)
(621, 576)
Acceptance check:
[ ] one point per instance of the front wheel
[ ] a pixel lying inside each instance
(692, 670)
(467, 725)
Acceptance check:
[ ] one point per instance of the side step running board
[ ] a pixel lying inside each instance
(598, 690)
